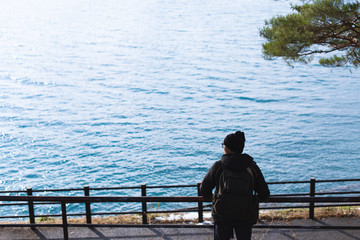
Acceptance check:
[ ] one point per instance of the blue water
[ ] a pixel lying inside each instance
(106, 93)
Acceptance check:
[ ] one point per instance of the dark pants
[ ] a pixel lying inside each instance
(223, 231)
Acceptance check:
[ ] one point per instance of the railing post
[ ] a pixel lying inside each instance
(87, 205)
(144, 207)
(200, 205)
(31, 208)
(64, 220)
(312, 194)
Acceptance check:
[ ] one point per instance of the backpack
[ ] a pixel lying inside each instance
(234, 198)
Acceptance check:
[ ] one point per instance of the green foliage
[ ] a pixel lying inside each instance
(316, 27)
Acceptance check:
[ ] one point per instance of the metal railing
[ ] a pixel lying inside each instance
(87, 200)
(306, 200)
(143, 189)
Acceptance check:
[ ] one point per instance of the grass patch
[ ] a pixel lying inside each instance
(322, 212)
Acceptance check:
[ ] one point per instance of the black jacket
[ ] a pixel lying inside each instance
(235, 162)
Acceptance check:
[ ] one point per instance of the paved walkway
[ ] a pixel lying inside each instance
(45, 233)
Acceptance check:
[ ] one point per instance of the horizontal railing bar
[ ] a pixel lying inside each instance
(114, 188)
(45, 215)
(289, 182)
(71, 189)
(335, 193)
(275, 195)
(171, 186)
(339, 180)
(305, 206)
(73, 199)
(80, 199)
(317, 181)
(22, 204)
(97, 189)
(31, 225)
(14, 191)
(167, 186)
(19, 216)
(139, 187)
(174, 211)
(290, 195)
(180, 226)
(194, 209)
(72, 214)
(124, 213)
(97, 214)
(316, 193)
(13, 204)
(58, 190)
(313, 199)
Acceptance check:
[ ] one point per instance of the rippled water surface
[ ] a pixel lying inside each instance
(106, 93)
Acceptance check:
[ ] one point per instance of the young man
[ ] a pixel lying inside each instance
(235, 176)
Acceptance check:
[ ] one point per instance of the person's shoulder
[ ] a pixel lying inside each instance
(216, 165)
(251, 161)
(247, 157)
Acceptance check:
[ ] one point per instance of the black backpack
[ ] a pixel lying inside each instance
(234, 197)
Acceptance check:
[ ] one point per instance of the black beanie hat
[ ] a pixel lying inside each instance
(235, 141)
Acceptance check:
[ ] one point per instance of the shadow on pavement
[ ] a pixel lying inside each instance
(339, 230)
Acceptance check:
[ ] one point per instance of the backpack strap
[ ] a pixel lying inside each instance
(219, 171)
(253, 175)
(248, 169)
(218, 176)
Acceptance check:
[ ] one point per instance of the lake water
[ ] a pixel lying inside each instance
(118, 93)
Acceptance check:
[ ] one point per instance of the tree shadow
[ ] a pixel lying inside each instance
(338, 230)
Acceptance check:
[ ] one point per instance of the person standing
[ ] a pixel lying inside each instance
(238, 182)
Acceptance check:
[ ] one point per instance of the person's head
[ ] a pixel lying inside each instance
(234, 142)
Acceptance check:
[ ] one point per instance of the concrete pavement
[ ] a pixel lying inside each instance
(55, 233)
